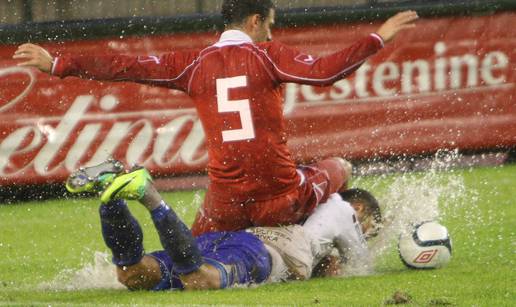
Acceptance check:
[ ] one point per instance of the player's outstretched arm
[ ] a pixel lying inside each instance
(289, 65)
(34, 56)
(164, 70)
(397, 23)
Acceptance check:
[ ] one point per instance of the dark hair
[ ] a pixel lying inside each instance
(236, 11)
(366, 198)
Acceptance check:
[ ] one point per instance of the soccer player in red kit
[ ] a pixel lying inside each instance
(235, 86)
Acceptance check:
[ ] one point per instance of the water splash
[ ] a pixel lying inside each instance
(437, 193)
(101, 274)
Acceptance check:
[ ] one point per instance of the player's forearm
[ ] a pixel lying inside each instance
(113, 68)
(341, 64)
(327, 70)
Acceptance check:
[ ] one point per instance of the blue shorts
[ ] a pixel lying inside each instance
(242, 249)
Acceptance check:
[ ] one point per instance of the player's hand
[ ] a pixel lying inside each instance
(34, 56)
(398, 22)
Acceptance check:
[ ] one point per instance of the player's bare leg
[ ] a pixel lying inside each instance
(174, 235)
(194, 272)
(347, 169)
(122, 233)
(144, 275)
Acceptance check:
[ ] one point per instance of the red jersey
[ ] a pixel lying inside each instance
(235, 86)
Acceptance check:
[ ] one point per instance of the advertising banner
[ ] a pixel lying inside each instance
(449, 83)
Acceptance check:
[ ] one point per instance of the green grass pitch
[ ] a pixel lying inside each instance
(39, 240)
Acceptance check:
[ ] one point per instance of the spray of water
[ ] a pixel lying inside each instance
(412, 198)
(101, 274)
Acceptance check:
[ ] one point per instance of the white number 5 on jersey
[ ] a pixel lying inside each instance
(243, 107)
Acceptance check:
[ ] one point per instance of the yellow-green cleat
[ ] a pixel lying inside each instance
(130, 186)
(94, 178)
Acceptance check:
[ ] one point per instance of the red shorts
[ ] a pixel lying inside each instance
(317, 182)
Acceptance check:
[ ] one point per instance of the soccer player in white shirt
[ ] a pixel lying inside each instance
(343, 224)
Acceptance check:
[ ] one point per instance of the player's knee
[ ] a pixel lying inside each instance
(128, 278)
(347, 167)
(136, 278)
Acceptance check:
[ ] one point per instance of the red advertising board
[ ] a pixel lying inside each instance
(449, 83)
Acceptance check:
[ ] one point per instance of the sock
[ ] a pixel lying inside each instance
(177, 240)
(121, 232)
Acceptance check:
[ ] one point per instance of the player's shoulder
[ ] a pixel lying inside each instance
(182, 54)
(336, 206)
(337, 200)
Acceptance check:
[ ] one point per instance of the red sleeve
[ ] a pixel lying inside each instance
(166, 70)
(290, 65)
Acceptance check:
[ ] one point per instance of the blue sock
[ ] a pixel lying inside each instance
(122, 233)
(177, 240)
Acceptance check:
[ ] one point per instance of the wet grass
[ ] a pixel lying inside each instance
(38, 240)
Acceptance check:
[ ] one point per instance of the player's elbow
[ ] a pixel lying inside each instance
(130, 279)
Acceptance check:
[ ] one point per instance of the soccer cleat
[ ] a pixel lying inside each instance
(94, 178)
(130, 186)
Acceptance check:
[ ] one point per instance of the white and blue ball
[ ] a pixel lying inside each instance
(427, 246)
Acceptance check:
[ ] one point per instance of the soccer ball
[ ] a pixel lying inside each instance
(427, 246)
